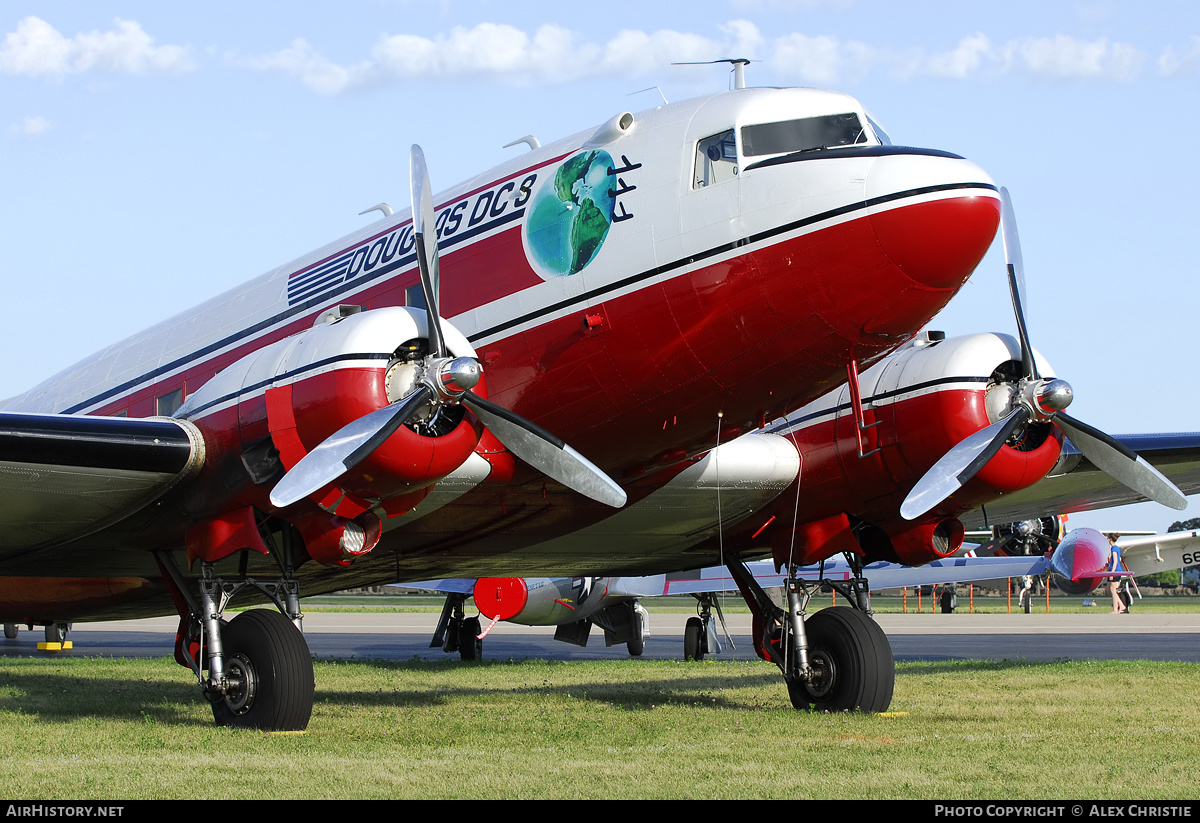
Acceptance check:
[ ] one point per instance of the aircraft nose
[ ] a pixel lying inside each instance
(934, 215)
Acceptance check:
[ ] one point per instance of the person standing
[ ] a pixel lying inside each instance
(1115, 564)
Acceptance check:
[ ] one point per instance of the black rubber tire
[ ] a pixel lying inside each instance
(856, 658)
(470, 647)
(637, 643)
(56, 632)
(947, 601)
(1124, 596)
(264, 647)
(693, 639)
(1027, 602)
(10, 630)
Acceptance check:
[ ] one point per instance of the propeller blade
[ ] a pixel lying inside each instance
(1120, 463)
(960, 464)
(345, 449)
(1016, 279)
(425, 234)
(545, 452)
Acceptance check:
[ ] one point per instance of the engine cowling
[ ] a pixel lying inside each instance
(296, 392)
(539, 601)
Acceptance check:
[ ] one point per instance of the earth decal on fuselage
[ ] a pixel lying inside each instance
(570, 215)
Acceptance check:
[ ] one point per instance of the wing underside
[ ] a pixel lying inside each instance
(66, 476)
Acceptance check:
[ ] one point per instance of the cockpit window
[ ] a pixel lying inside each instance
(716, 160)
(879, 132)
(806, 134)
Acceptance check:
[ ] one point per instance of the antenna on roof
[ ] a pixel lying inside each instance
(739, 68)
(652, 88)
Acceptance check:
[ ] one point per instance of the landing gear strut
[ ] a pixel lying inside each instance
(259, 669)
(700, 633)
(456, 632)
(835, 660)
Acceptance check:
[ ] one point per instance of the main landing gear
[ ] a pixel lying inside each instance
(700, 632)
(456, 632)
(835, 660)
(256, 669)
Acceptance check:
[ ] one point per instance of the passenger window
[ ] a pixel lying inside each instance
(169, 403)
(716, 160)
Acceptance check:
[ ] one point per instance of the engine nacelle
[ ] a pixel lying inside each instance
(917, 404)
(926, 541)
(1080, 563)
(310, 385)
(540, 601)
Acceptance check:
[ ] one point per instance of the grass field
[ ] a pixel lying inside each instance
(125, 729)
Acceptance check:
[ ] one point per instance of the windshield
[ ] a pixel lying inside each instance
(806, 134)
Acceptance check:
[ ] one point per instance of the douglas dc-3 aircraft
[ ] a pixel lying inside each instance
(645, 290)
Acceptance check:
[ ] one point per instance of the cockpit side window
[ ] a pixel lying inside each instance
(716, 160)
(805, 134)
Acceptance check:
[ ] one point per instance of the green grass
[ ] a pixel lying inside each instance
(122, 729)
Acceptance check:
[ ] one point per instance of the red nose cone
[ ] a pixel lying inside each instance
(1080, 561)
(500, 598)
(939, 243)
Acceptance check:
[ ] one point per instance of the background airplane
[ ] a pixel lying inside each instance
(613, 604)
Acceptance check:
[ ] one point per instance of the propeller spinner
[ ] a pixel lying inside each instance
(444, 380)
(1035, 400)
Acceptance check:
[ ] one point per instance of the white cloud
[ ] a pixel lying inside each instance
(1067, 57)
(1170, 64)
(962, 61)
(556, 54)
(31, 126)
(37, 49)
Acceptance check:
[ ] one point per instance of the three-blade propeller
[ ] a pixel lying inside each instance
(1036, 400)
(446, 380)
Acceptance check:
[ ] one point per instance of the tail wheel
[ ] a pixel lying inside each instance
(470, 647)
(693, 639)
(269, 671)
(852, 663)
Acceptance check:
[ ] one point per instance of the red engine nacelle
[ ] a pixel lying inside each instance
(916, 405)
(296, 392)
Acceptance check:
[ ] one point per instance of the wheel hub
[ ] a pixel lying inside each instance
(822, 674)
(241, 684)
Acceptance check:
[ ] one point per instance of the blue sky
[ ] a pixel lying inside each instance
(152, 154)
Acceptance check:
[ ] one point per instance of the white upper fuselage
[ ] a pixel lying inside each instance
(670, 218)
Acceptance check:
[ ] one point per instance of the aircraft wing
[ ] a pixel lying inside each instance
(451, 585)
(1160, 552)
(1076, 484)
(879, 575)
(65, 476)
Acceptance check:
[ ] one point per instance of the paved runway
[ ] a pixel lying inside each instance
(914, 637)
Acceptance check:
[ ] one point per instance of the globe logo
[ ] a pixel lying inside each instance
(571, 214)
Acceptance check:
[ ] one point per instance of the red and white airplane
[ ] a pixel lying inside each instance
(646, 290)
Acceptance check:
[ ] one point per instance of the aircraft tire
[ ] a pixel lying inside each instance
(271, 658)
(947, 601)
(693, 639)
(637, 643)
(854, 660)
(10, 630)
(470, 647)
(55, 632)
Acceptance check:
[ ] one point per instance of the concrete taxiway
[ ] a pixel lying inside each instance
(405, 636)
